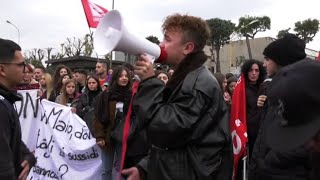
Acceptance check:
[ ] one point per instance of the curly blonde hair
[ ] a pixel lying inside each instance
(194, 29)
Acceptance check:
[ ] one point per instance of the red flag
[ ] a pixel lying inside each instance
(238, 123)
(319, 56)
(93, 12)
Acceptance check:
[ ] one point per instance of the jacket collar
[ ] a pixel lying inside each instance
(192, 62)
(10, 95)
(187, 83)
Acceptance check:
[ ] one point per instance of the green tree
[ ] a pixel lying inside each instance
(221, 31)
(281, 33)
(307, 29)
(153, 39)
(249, 26)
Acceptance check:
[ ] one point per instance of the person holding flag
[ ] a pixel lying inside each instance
(245, 114)
(237, 123)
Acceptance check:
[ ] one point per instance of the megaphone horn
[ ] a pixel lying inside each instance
(111, 35)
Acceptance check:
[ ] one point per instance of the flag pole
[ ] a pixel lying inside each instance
(245, 167)
(91, 38)
(113, 54)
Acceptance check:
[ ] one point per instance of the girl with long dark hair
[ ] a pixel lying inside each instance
(110, 109)
(85, 106)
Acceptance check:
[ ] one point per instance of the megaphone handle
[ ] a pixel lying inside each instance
(137, 78)
(151, 58)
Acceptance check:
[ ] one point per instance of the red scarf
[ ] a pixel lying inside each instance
(126, 128)
(238, 123)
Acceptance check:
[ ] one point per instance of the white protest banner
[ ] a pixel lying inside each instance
(63, 145)
(29, 113)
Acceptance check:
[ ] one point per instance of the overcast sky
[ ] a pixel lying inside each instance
(47, 23)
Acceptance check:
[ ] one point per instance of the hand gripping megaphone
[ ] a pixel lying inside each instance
(111, 35)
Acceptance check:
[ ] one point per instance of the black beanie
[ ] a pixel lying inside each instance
(286, 50)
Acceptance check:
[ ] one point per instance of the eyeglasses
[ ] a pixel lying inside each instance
(22, 64)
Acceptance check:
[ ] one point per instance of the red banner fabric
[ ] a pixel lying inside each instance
(93, 12)
(238, 123)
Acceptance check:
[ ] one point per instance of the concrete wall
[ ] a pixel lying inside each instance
(232, 55)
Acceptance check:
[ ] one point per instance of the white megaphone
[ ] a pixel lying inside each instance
(111, 35)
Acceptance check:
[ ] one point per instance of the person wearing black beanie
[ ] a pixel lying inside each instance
(284, 51)
(278, 54)
(267, 163)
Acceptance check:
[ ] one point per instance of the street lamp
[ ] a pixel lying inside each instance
(252, 22)
(244, 26)
(16, 29)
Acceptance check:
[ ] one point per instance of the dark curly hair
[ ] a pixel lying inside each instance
(194, 29)
(246, 67)
(56, 75)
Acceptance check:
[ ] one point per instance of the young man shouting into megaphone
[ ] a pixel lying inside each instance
(187, 120)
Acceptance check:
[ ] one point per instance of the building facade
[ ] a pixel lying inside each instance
(232, 55)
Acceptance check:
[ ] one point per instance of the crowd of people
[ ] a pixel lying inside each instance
(180, 117)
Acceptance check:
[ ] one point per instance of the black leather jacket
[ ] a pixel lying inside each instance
(189, 132)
